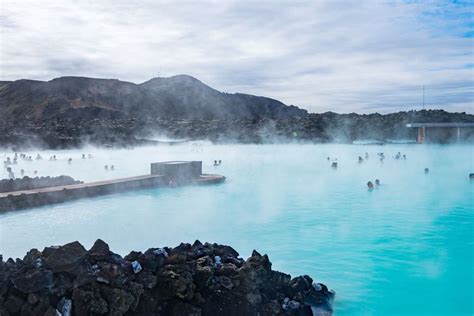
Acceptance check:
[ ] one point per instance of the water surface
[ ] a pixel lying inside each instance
(406, 248)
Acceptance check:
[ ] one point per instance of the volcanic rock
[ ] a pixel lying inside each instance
(197, 279)
(67, 258)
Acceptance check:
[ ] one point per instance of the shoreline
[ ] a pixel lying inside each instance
(63, 133)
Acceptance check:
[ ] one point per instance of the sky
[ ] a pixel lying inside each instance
(342, 56)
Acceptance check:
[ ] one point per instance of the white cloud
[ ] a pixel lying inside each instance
(321, 55)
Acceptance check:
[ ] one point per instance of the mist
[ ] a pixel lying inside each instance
(309, 120)
(283, 198)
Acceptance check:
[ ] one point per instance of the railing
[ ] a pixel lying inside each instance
(441, 125)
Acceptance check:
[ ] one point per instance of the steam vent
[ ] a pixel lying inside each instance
(170, 173)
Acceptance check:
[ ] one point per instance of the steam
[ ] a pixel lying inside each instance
(283, 199)
(264, 182)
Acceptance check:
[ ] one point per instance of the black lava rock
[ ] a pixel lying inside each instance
(197, 279)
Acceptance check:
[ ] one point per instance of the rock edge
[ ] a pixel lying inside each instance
(197, 279)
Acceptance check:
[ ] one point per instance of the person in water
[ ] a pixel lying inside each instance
(172, 183)
(370, 185)
(69, 160)
(361, 160)
(83, 156)
(427, 170)
(220, 162)
(112, 167)
(11, 176)
(106, 167)
(471, 176)
(377, 182)
(334, 165)
(366, 156)
(22, 172)
(215, 163)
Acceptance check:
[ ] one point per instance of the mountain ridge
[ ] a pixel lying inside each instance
(180, 96)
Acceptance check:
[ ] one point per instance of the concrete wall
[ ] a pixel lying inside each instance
(14, 202)
(181, 171)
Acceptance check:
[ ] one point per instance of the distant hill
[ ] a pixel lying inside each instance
(69, 112)
(89, 98)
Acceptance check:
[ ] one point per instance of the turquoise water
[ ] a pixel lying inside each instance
(406, 248)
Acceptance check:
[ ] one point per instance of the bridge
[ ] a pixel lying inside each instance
(421, 136)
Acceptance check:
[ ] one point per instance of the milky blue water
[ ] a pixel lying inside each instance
(406, 248)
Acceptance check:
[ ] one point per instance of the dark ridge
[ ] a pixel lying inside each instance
(2, 83)
(81, 129)
(179, 96)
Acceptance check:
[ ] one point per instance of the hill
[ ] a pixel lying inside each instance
(72, 111)
(180, 96)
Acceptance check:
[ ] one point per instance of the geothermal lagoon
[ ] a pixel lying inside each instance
(407, 247)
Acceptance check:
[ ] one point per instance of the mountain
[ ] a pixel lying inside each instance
(179, 96)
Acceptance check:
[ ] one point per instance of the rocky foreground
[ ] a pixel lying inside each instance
(197, 279)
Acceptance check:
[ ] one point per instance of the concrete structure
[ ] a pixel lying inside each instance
(179, 171)
(171, 173)
(422, 127)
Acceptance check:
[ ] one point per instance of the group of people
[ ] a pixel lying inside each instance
(361, 160)
(8, 162)
(89, 156)
(112, 168)
(370, 185)
(400, 156)
(217, 162)
(11, 175)
(334, 163)
(13, 161)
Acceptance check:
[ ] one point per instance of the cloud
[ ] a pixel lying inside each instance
(343, 56)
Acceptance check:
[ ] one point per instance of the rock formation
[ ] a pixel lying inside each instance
(28, 183)
(197, 279)
(314, 128)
